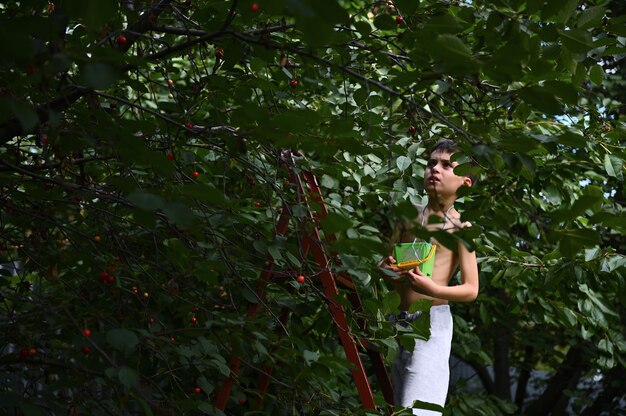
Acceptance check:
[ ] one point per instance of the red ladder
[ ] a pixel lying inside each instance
(330, 284)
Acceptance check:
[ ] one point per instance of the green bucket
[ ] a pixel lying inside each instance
(419, 253)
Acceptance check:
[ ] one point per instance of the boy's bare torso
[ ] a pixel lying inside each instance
(446, 260)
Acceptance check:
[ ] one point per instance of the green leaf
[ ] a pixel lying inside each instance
(385, 22)
(391, 302)
(613, 166)
(205, 385)
(576, 40)
(128, 377)
(249, 295)
(403, 163)
(335, 222)
(578, 77)
(26, 115)
(596, 74)
(609, 220)
(442, 23)
(310, 356)
(591, 198)
(92, 13)
(98, 75)
(179, 214)
(452, 53)
(364, 28)
(122, 339)
(570, 316)
(418, 404)
(590, 17)
(572, 241)
(566, 10)
(540, 99)
(407, 7)
(572, 139)
(146, 200)
(592, 253)
(421, 325)
(566, 91)
(453, 46)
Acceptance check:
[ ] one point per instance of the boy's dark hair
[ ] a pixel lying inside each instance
(445, 145)
(451, 146)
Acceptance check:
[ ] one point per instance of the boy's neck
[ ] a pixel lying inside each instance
(437, 204)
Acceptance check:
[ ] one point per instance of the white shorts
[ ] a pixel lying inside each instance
(424, 373)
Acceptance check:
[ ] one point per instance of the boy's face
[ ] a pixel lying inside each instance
(439, 177)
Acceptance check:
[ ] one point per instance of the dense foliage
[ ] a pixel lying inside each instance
(141, 181)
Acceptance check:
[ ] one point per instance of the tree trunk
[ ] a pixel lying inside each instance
(501, 366)
(570, 369)
(522, 382)
(609, 391)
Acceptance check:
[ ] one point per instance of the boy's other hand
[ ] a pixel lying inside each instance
(420, 282)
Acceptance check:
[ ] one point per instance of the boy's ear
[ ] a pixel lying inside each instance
(467, 181)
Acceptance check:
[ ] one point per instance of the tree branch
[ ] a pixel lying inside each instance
(432, 113)
(12, 127)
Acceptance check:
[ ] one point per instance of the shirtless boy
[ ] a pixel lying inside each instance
(424, 373)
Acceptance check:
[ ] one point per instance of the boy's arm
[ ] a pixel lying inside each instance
(467, 291)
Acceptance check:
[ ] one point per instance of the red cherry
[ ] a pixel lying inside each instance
(112, 106)
(197, 390)
(31, 69)
(196, 174)
(257, 204)
(194, 310)
(293, 83)
(194, 320)
(111, 279)
(103, 277)
(172, 340)
(242, 401)
(189, 126)
(135, 290)
(121, 39)
(86, 350)
(400, 20)
(255, 7)
(170, 155)
(219, 53)
(300, 279)
(44, 139)
(32, 352)
(412, 129)
(151, 320)
(87, 332)
(23, 353)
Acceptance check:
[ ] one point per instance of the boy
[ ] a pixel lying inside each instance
(424, 373)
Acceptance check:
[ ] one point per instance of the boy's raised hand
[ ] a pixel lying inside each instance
(420, 282)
